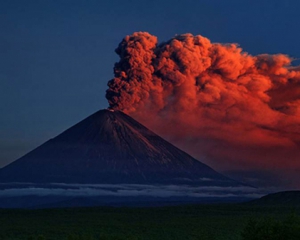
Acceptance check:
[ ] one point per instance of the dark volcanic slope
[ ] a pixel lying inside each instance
(110, 147)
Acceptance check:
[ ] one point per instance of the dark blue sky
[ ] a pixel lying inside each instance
(57, 56)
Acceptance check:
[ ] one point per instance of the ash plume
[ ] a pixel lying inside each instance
(231, 109)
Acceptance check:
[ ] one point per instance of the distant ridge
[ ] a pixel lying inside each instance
(286, 198)
(111, 147)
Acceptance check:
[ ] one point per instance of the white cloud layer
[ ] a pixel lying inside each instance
(129, 190)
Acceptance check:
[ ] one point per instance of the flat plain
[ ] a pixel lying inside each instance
(202, 221)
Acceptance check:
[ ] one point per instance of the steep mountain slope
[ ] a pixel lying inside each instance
(110, 147)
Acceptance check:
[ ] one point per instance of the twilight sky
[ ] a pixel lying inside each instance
(57, 56)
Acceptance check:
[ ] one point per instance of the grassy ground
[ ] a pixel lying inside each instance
(181, 222)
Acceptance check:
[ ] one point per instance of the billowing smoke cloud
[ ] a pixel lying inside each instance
(231, 110)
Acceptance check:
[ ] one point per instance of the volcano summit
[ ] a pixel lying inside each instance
(109, 147)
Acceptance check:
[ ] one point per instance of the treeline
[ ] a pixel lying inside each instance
(83, 237)
(272, 229)
(267, 228)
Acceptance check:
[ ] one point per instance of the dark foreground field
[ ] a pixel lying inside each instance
(222, 221)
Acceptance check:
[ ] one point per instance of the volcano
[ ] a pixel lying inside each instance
(110, 147)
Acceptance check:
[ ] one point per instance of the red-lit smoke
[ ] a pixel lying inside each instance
(230, 109)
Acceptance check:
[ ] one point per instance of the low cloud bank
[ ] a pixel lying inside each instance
(129, 190)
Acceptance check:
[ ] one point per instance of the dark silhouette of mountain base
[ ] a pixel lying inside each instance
(286, 198)
(110, 147)
(40, 202)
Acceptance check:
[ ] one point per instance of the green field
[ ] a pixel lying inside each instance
(222, 221)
